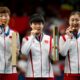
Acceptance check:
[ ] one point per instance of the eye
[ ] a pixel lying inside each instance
(77, 20)
(72, 19)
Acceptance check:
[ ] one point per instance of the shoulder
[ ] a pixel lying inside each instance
(48, 39)
(26, 38)
(63, 37)
(14, 31)
(47, 36)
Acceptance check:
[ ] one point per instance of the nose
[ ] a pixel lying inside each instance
(75, 22)
(3, 17)
(37, 25)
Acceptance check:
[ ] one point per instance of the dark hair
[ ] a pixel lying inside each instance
(75, 12)
(37, 18)
(4, 10)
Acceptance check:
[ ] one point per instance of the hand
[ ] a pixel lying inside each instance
(68, 32)
(34, 32)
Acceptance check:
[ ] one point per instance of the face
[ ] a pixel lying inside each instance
(4, 18)
(37, 26)
(74, 21)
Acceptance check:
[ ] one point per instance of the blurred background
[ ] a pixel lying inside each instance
(54, 11)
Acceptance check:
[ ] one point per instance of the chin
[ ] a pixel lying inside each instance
(38, 33)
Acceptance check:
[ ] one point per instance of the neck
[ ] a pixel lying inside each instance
(39, 37)
(5, 25)
(38, 34)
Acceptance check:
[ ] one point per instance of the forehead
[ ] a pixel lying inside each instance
(75, 16)
(37, 23)
(4, 14)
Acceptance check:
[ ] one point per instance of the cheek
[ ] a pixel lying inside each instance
(42, 27)
(3, 19)
(0, 22)
(8, 18)
(71, 20)
(70, 23)
(32, 26)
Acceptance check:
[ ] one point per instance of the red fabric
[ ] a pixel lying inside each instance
(71, 76)
(63, 36)
(50, 45)
(50, 49)
(8, 76)
(20, 24)
(26, 37)
(50, 78)
(32, 63)
(61, 67)
(29, 78)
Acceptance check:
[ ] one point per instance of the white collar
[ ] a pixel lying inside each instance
(6, 29)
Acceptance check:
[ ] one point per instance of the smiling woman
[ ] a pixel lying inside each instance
(7, 71)
(38, 47)
(5, 15)
(69, 47)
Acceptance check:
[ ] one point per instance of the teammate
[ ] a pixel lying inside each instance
(38, 48)
(7, 72)
(69, 45)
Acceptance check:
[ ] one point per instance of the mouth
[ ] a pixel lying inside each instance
(76, 25)
(38, 29)
(4, 21)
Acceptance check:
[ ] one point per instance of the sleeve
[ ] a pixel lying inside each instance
(51, 53)
(64, 46)
(26, 45)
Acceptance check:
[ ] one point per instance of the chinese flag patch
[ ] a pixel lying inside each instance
(46, 41)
